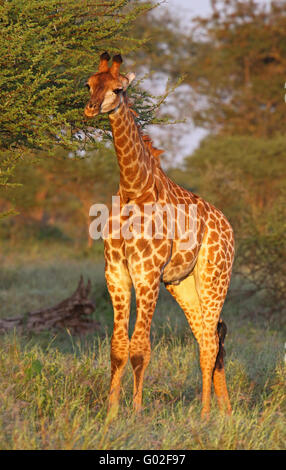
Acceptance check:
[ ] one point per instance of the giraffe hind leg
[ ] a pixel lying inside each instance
(212, 282)
(221, 331)
(210, 337)
(219, 380)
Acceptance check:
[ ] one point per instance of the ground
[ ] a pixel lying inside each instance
(54, 386)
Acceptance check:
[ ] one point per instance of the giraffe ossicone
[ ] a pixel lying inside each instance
(197, 275)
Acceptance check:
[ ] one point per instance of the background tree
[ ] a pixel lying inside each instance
(54, 197)
(233, 61)
(238, 64)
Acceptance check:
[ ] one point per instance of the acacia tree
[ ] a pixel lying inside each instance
(47, 51)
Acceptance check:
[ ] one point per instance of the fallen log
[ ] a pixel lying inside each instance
(72, 314)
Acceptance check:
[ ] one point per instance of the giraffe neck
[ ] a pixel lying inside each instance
(134, 160)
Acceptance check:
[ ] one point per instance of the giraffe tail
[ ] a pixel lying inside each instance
(221, 330)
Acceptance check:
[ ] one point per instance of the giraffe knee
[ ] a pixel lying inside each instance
(118, 359)
(137, 361)
(119, 351)
(140, 350)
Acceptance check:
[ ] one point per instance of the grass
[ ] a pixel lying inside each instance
(54, 387)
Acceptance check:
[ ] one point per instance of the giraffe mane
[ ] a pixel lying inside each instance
(153, 150)
(148, 143)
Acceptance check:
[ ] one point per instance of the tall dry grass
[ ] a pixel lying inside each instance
(53, 386)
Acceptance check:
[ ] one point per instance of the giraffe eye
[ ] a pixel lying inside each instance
(87, 86)
(117, 90)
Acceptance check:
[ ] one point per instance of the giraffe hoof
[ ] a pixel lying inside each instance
(224, 407)
(137, 408)
(205, 414)
(112, 411)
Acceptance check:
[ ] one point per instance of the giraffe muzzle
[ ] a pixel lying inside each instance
(92, 110)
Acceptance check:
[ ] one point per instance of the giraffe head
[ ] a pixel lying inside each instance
(107, 86)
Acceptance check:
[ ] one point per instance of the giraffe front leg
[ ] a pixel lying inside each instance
(140, 352)
(140, 346)
(119, 357)
(119, 287)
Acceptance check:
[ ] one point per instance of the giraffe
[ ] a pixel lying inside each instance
(196, 275)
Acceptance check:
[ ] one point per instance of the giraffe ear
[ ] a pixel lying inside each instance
(129, 77)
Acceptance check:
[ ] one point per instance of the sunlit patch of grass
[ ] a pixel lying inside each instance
(54, 387)
(56, 400)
